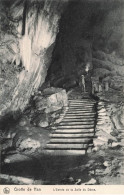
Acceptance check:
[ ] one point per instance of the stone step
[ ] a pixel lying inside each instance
(76, 126)
(79, 117)
(100, 118)
(102, 114)
(75, 97)
(83, 103)
(100, 107)
(76, 130)
(78, 120)
(80, 114)
(80, 111)
(101, 103)
(72, 135)
(82, 100)
(71, 140)
(66, 146)
(76, 123)
(102, 110)
(101, 123)
(75, 133)
(81, 106)
(63, 152)
(84, 107)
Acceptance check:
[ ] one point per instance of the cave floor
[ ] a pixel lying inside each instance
(102, 167)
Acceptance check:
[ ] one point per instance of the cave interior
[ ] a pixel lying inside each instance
(54, 54)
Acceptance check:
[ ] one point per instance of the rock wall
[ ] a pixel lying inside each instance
(91, 32)
(28, 32)
(46, 107)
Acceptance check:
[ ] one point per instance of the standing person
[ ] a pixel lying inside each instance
(83, 83)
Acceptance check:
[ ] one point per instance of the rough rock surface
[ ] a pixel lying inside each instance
(28, 141)
(24, 53)
(90, 33)
(9, 179)
(104, 127)
(48, 105)
(31, 133)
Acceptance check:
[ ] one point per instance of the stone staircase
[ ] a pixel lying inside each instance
(75, 133)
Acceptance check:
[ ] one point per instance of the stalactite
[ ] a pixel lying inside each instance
(39, 30)
(33, 46)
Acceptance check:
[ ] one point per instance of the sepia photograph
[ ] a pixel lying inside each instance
(61, 94)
